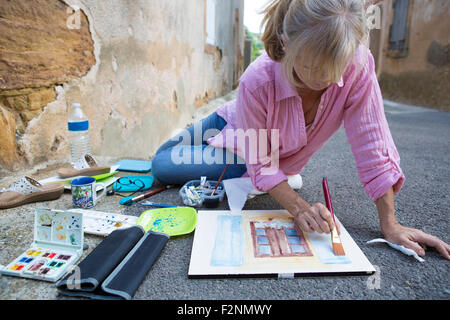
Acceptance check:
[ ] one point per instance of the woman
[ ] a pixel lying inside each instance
(316, 75)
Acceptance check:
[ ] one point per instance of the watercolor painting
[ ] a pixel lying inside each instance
(267, 242)
(276, 238)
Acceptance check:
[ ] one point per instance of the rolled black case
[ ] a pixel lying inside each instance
(116, 267)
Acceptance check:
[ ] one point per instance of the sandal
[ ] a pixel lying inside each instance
(28, 190)
(86, 166)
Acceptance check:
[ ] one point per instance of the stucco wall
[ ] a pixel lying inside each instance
(151, 73)
(423, 76)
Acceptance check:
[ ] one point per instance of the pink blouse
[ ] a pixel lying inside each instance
(266, 100)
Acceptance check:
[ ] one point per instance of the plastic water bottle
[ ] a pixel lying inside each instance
(78, 133)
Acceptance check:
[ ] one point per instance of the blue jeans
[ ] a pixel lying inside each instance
(187, 156)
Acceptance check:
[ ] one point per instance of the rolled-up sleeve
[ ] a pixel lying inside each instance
(259, 151)
(377, 159)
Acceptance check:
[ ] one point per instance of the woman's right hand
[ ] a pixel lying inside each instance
(308, 218)
(316, 218)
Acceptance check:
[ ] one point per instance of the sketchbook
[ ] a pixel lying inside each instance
(116, 267)
(134, 165)
(107, 179)
(268, 243)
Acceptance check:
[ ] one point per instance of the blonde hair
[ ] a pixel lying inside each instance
(321, 35)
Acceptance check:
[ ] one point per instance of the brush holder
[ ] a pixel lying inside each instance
(194, 196)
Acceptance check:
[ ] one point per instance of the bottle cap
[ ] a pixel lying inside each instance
(76, 105)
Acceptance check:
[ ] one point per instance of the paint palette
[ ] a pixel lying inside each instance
(172, 221)
(103, 223)
(57, 245)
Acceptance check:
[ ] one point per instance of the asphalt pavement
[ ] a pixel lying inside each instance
(422, 137)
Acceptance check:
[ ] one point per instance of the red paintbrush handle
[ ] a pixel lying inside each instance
(220, 179)
(149, 194)
(326, 193)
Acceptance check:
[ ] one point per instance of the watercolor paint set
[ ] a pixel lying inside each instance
(57, 245)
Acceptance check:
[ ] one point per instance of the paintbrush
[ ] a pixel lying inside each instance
(338, 249)
(146, 195)
(156, 205)
(220, 180)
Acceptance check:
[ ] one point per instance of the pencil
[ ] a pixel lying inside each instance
(338, 249)
(146, 195)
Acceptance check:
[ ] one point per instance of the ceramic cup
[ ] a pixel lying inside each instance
(84, 194)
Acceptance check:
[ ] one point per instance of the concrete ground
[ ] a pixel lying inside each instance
(422, 137)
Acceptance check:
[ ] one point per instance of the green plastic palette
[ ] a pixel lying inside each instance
(104, 176)
(99, 178)
(172, 221)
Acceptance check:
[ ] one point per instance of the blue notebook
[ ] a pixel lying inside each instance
(134, 165)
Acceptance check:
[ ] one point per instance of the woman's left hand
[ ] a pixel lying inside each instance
(416, 240)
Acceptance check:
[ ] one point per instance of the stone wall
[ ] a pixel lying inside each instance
(139, 69)
(423, 75)
(38, 52)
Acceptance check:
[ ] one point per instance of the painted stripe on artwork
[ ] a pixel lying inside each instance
(325, 250)
(228, 247)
